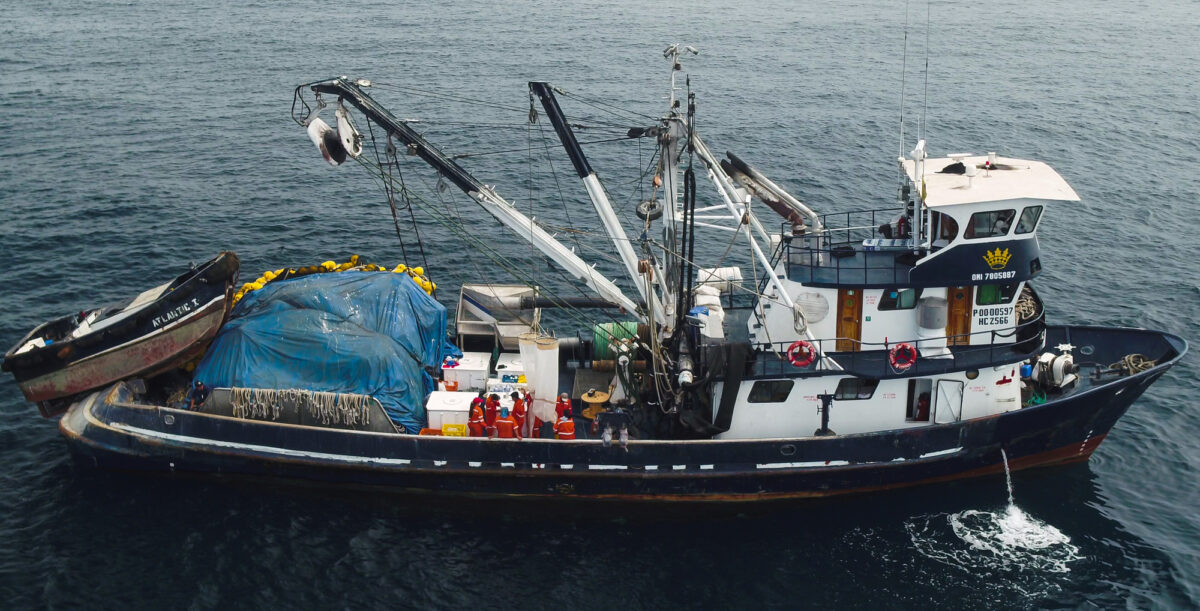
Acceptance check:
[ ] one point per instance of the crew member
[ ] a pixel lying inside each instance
(563, 403)
(506, 426)
(519, 410)
(490, 407)
(476, 422)
(197, 396)
(565, 427)
(923, 406)
(534, 430)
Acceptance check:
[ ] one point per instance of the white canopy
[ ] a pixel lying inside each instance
(1015, 179)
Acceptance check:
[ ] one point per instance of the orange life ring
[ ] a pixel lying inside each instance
(902, 356)
(801, 354)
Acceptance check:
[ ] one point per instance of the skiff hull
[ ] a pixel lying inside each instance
(173, 329)
(104, 431)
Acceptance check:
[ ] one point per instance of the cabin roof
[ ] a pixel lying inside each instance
(1014, 179)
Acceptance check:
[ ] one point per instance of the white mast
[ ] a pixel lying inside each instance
(600, 201)
(485, 196)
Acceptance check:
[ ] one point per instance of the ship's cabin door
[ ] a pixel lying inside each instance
(849, 322)
(947, 403)
(958, 316)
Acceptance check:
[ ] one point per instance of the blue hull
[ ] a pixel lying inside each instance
(1068, 429)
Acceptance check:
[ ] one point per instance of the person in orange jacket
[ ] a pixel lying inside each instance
(563, 403)
(565, 427)
(506, 426)
(534, 430)
(489, 412)
(519, 410)
(476, 422)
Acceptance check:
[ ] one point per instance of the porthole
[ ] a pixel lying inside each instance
(1087, 350)
(972, 374)
(168, 420)
(787, 450)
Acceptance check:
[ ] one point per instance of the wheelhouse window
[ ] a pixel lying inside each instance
(855, 388)
(770, 391)
(899, 299)
(990, 224)
(1029, 219)
(995, 294)
(945, 228)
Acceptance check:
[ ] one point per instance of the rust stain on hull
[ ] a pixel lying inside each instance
(147, 356)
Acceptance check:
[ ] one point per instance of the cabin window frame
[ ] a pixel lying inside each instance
(773, 385)
(894, 304)
(998, 214)
(860, 385)
(1037, 217)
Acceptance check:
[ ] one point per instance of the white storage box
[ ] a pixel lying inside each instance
(509, 367)
(448, 408)
(471, 372)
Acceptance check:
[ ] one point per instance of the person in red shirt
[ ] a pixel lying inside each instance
(506, 426)
(476, 422)
(565, 427)
(563, 403)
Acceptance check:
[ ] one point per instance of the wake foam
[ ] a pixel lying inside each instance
(1009, 544)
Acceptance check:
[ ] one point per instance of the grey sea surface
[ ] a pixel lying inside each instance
(139, 136)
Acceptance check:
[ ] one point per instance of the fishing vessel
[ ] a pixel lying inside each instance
(863, 351)
(156, 331)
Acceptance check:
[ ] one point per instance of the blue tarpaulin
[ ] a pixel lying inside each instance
(369, 333)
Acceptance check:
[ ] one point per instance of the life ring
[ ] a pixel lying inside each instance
(902, 356)
(801, 354)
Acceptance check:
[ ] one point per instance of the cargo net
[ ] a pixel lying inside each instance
(326, 407)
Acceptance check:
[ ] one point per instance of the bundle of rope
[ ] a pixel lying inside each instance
(1026, 306)
(326, 407)
(1133, 363)
(255, 403)
(338, 408)
(351, 265)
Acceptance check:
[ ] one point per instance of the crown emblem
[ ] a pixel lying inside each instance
(997, 259)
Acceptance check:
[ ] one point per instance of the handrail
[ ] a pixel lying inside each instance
(831, 263)
(874, 362)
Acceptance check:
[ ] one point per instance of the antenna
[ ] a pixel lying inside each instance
(923, 124)
(901, 186)
(903, 79)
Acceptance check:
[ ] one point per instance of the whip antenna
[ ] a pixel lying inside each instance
(903, 77)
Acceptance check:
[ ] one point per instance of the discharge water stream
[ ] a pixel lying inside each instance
(1005, 543)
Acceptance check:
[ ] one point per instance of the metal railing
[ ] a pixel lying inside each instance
(871, 360)
(840, 257)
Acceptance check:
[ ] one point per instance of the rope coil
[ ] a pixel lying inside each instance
(1133, 363)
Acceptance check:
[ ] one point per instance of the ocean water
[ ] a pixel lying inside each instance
(140, 135)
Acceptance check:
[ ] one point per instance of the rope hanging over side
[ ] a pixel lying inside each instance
(325, 407)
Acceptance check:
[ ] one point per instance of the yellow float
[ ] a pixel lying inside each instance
(416, 273)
